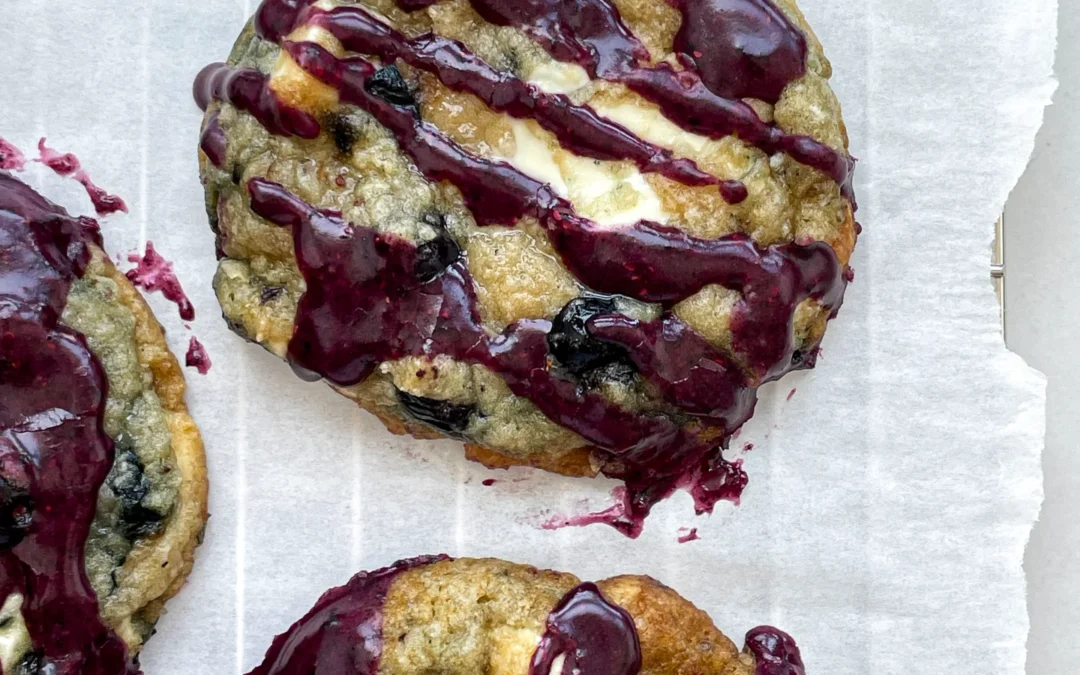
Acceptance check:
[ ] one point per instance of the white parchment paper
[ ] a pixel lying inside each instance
(890, 498)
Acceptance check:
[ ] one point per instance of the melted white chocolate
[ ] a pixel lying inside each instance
(609, 193)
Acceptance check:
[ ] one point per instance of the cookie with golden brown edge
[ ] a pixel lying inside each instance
(462, 617)
(575, 235)
(103, 489)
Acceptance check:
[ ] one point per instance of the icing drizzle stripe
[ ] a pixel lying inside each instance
(578, 128)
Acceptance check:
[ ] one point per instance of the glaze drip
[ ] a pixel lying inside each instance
(593, 637)
(11, 158)
(212, 141)
(646, 261)
(248, 90)
(54, 453)
(774, 651)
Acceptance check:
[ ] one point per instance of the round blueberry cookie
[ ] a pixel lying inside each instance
(462, 617)
(102, 473)
(575, 235)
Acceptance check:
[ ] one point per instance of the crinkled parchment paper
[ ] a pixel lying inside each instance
(890, 498)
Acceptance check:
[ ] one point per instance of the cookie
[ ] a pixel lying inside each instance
(103, 490)
(462, 617)
(575, 235)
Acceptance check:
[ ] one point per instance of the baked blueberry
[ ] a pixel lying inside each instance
(343, 131)
(435, 255)
(571, 344)
(388, 84)
(447, 417)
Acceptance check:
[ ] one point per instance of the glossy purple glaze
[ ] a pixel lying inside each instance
(578, 128)
(342, 634)
(734, 191)
(364, 305)
(774, 651)
(155, 273)
(691, 373)
(54, 453)
(213, 142)
(277, 18)
(759, 50)
(645, 260)
(594, 636)
(247, 89)
(741, 48)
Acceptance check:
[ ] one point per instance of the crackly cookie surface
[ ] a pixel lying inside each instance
(102, 472)
(577, 236)
(467, 616)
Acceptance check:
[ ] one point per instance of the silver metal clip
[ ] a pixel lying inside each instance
(997, 265)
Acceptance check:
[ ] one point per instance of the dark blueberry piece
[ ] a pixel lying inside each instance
(128, 480)
(449, 418)
(804, 359)
(388, 84)
(434, 256)
(30, 664)
(344, 133)
(268, 293)
(16, 513)
(237, 174)
(130, 485)
(570, 342)
(139, 521)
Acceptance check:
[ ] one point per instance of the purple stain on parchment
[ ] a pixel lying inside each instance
(11, 158)
(155, 273)
(66, 164)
